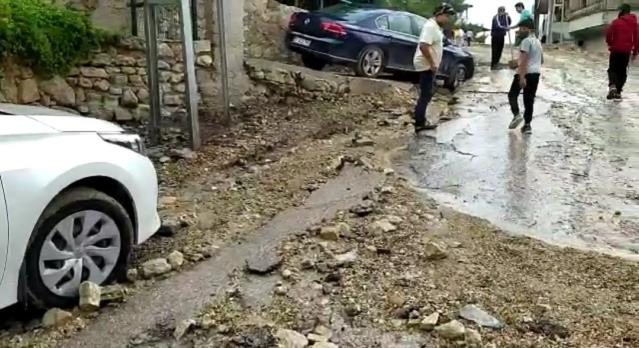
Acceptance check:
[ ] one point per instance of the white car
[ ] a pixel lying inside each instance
(76, 194)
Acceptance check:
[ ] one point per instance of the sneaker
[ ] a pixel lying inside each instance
(515, 122)
(526, 129)
(425, 127)
(617, 96)
(612, 92)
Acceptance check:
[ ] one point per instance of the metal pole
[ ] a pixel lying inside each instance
(550, 21)
(194, 16)
(134, 17)
(189, 64)
(223, 60)
(152, 71)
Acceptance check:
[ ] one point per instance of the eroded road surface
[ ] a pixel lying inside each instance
(573, 182)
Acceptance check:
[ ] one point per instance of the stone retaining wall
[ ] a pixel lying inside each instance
(113, 84)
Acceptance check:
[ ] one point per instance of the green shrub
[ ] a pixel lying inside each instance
(48, 38)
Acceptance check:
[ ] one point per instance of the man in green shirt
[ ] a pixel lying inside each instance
(525, 15)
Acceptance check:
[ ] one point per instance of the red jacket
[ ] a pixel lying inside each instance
(623, 35)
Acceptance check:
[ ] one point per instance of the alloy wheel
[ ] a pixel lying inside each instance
(84, 246)
(372, 63)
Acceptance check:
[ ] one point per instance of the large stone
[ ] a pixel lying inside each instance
(92, 72)
(101, 60)
(122, 60)
(142, 112)
(346, 259)
(102, 85)
(85, 82)
(202, 46)
(453, 330)
(155, 267)
(172, 100)
(480, 317)
(143, 95)
(116, 292)
(28, 91)
(434, 251)
(129, 70)
(263, 262)
(59, 90)
(429, 322)
(290, 339)
(473, 338)
(324, 345)
(182, 328)
(383, 226)
(129, 99)
(122, 114)
(176, 259)
(137, 80)
(165, 51)
(90, 295)
(56, 317)
(204, 61)
(119, 79)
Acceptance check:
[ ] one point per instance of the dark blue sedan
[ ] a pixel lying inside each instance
(371, 40)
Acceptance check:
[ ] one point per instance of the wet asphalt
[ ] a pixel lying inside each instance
(573, 182)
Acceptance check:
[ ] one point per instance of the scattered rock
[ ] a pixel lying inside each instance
(389, 171)
(549, 329)
(287, 274)
(353, 310)
(132, 275)
(113, 293)
(167, 201)
(364, 208)
(452, 331)
(290, 339)
(164, 159)
(210, 250)
(89, 296)
(346, 259)
(480, 317)
(397, 299)
(176, 259)
(205, 61)
(182, 328)
(434, 252)
(313, 337)
(473, 338)
(430, 322)
(330, 233)
(387, 190)
(281, 290)
(383, 226)
(184, 153)
(155, 267)
(362, 141)
(263, 262)
(55, 317)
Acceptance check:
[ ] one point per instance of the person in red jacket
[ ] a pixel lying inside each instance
(623, 42)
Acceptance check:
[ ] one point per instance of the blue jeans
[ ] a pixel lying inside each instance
(426, 83)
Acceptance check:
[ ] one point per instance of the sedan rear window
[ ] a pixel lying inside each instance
(347, 12)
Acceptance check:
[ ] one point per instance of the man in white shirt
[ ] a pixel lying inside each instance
(427, 58)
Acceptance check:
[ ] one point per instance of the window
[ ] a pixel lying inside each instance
(418, 24)
(401, 24)
(382, 22)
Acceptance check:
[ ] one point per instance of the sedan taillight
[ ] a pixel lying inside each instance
(293, 20)
(333, 28)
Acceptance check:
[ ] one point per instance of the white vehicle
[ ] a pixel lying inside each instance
(76, 194)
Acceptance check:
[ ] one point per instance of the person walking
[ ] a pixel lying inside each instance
(527, 77)
(524, 15)
(500, 27)
(427, 58)
(622, 38)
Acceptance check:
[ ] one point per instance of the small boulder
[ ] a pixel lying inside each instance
(113, 293)
(56, 317)
(330, 233)
(324, 345)
(132, 275)
(182, 328)
(364, 208)
(155, 267)
(346, 259)
(429, 323)
(176, 259)
(473, 338)
(480, 317)
(383, 226)
(434, 252)
(184, 153)
(453, 330)
(363, 141)
(290, 339)
(263, 262)
(90, 295)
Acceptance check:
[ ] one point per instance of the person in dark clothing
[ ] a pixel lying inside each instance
(622, 38)
(501, 23)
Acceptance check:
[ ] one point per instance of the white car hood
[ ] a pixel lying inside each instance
(77, 124)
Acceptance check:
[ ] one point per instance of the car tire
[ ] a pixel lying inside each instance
(457, 77)
(313, 62)
(370, 62)
(101, 231)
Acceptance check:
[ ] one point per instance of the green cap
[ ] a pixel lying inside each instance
(625, 8)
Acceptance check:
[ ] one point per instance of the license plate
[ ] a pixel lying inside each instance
(301, 42)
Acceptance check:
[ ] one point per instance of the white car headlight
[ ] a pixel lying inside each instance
(131, 141)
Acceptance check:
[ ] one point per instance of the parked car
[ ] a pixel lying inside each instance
(371, 40)
(76, 194)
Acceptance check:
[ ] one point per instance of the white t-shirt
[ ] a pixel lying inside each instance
(433, 36)
(532, 46)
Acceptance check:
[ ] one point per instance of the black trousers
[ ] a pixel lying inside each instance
(497, 45)
(618, 70)
(426, 83)
(530, 92)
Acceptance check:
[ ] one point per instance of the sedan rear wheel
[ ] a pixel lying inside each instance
(84, 235)
(370, 62)
(457, 77)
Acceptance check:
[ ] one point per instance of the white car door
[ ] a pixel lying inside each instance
(4, 232)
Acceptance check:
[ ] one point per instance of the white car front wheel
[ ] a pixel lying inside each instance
(83, 235)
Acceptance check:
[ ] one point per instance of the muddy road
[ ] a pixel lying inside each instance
(573, 182)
